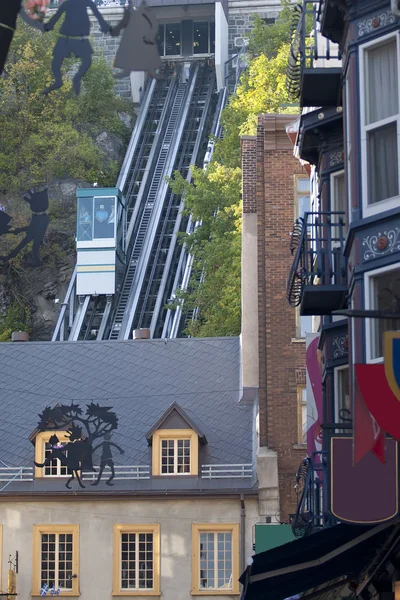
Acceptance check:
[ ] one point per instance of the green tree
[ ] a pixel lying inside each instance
(16, 319)
(268, 39)
(214, 197)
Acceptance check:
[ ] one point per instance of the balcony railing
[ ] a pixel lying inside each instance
(307, 64)
(244, 471)
(312, 509)
(317, 280)
(131, 472)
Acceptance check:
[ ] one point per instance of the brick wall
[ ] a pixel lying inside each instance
(249, 181)
(281, 360)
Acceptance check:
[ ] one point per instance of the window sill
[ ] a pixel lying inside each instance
(300, 446)
(136, 593)
(298, 341)
(62, 594)
(215, 593)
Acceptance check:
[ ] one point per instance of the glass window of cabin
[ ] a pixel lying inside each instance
(85, 220)
(381, 120)
(342, 395)
(104, 218)
(173, 39)
(383, 294)
(160, 39)
(201, 38)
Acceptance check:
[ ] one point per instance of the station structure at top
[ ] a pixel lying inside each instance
(130, 264)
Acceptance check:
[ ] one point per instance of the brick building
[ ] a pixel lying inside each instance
(275, 192)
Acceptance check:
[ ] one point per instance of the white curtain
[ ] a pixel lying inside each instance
(382, 82)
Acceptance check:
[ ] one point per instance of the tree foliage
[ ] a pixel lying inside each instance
(214, 195)
(46, 137)
(16, 319)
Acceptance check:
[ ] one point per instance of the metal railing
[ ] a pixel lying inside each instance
(308, 45)
(16, 474)
(122, 472)
(244, 471)
(312, 509)
(317, 244)
(132, 472)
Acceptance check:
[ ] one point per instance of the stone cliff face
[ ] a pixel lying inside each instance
(42, 289)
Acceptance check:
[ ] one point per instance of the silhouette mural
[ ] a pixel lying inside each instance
(74, 39)
(34, 232)
(83, 429)
(138, 48)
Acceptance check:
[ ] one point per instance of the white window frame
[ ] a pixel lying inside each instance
(334, 208)
(336, 388)
(387, 204)
(349, 150)
(369, 305)
(175, 440)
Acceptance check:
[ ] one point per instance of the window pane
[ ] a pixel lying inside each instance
(224, 560)
(382, 163)
(342, 397)
(207, 574)
(212, 38)
(173, 39)
(304, 415)
(183, 456)
(167, 456)
(137, 561)
(85, 220)
(200, 38)
(104, 218)
(385, 291)
(160, 39)
(382, 82)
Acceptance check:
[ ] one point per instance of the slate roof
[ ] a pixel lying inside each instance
(140, 380)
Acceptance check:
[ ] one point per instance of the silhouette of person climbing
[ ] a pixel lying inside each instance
(138, 48)
(35, 231)
(74, 39)
(106, 459)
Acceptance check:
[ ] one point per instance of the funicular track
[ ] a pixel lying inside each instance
(171, 127)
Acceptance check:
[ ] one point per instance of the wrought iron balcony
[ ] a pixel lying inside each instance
(317, 280)
(312, 509)
(314, 68)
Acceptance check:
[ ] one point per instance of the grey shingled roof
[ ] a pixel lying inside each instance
(140, 380)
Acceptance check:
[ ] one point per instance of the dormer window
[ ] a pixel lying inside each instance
(175, 440)
(175, 452)
(46, 455)
(175, 456)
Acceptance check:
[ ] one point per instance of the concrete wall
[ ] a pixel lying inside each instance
(96, 520)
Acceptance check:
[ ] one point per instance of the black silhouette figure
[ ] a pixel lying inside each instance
(8, 21)
(138, 48)
(35, 231)
(74, 39)
(71, 454)
(4, 222)
(106, 459)
(77, 454)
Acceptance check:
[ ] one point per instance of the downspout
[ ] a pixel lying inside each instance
(243, 560)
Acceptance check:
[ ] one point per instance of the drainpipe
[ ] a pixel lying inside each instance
(242, 534)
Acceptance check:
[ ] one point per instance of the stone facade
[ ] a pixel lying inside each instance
(96, 519)
(269, 168)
